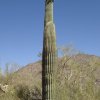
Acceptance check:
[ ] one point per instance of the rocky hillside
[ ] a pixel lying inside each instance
(82, 65)
(77, 77)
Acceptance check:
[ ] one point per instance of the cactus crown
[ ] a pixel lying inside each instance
(48, 1)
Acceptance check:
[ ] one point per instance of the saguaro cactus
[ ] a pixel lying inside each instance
(49, 54)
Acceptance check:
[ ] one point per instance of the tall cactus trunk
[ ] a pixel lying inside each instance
(49, 55)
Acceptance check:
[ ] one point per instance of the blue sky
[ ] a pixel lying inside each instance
(21, 28)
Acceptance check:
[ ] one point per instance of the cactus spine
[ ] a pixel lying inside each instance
(49, 54)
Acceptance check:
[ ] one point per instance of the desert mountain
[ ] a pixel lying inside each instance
(79, 66)
(77, 77)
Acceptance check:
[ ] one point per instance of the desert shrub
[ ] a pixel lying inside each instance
(75, 80)
(25, 92)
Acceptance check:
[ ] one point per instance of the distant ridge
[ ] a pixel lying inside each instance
(31, 73)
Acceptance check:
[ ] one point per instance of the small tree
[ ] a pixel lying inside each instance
(10, 68)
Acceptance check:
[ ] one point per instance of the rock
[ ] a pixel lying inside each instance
(4, 88)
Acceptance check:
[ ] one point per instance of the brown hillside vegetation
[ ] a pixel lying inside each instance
(31, 73)
(77, 77)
